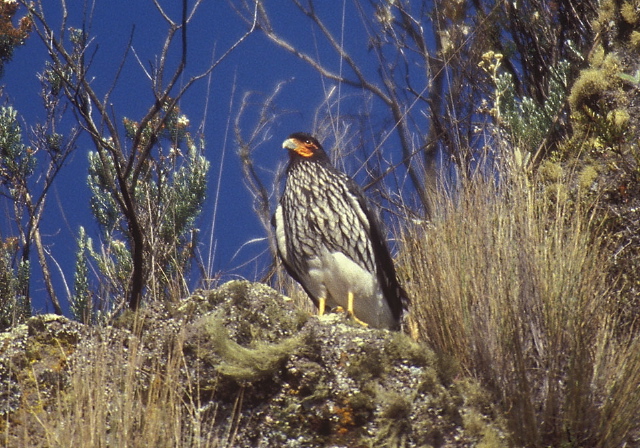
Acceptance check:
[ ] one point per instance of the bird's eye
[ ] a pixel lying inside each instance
(308, 142)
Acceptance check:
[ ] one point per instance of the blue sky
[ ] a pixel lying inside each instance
(256, 65)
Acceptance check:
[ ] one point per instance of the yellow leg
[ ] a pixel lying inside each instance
(321, 304)
(350, 303)
(350, 310)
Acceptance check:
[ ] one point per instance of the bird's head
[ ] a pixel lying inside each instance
(301, 144)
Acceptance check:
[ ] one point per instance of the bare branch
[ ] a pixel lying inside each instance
(258, 136)
(100, 120)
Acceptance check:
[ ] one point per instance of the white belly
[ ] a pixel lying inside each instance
(333, 276)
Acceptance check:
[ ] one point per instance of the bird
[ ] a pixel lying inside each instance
(331, 242)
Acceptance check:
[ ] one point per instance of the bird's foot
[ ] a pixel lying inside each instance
(351, 315)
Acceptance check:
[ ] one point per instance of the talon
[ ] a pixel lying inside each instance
(356, 320)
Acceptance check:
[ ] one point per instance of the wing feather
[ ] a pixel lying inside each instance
(394, 293)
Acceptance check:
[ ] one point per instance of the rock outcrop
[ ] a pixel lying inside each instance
(247, 368)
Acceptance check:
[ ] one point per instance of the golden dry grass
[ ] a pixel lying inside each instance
(514, 287)
(123, 398)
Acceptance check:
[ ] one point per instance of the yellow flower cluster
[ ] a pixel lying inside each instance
(490, 63)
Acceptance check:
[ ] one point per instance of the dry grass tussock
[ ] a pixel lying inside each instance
(123, 398)
(513, 286)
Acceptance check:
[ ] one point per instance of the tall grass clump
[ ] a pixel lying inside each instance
(510, 280)
(128, 398)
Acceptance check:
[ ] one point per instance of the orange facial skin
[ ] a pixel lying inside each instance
(306, 148)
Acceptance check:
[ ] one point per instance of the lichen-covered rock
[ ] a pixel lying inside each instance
(240, 366)
(308, 381)
(33, 370)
